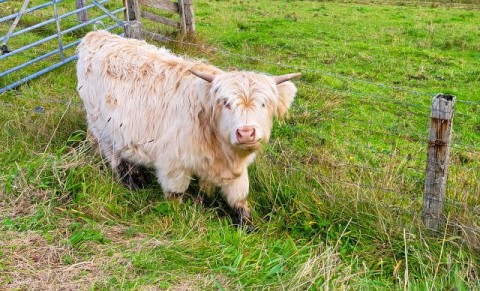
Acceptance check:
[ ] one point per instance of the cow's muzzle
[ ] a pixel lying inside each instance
(246, 135)
(247, 138)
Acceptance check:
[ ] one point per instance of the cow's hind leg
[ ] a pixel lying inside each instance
(132, 176)
(236, 192)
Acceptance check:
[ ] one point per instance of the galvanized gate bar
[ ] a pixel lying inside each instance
(33, 44)
(63, 32)
(28, 10)
(32, 61)
(41, 72)
(48, 69)
(107, 12)
(15, 22)
(59, 31)
(61, 49)
(51, 20)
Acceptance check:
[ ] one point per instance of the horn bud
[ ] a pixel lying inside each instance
(284, 78)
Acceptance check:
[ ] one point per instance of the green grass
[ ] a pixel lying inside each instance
(336, 195)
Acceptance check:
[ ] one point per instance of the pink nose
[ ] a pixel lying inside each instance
(246, 134)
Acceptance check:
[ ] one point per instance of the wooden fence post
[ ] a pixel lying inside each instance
(181, 11)
(133, 10)
(187, 22)
(437, 160)
(134, 29)
(82, 15)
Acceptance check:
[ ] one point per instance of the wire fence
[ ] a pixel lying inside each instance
(379, 143)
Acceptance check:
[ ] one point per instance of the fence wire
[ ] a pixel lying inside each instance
(375, 126)
(381, 148)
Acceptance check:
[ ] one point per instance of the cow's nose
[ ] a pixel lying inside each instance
(246, 134)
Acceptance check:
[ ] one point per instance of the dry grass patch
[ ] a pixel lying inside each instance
(22, 205)
(30, 262)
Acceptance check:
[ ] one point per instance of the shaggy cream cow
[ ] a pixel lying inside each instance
(147, 107)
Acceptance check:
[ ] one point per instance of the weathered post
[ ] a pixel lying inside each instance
(437, 159)
(181, 12)
(134, 29)
(187, 22)
(81, 15)
(133, 10)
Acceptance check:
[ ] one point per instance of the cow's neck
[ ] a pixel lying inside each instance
(227, 162)
(235, 160)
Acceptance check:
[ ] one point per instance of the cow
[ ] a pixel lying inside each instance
(149, 108)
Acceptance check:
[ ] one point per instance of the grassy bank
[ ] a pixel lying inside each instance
(336, 195)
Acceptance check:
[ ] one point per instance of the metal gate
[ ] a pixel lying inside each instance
(38, 36)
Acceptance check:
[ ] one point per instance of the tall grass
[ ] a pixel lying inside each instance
(336, 194)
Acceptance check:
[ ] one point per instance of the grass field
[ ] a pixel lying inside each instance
(336, 195)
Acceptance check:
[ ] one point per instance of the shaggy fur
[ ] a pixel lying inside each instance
(144, 106)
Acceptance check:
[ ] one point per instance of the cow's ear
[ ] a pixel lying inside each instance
(286, 94)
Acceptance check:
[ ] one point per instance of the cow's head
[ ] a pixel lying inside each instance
(244, 104)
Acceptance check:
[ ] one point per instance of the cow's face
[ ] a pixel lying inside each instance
(244, 106)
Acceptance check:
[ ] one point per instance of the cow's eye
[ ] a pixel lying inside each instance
(227, 105)
(263, 105)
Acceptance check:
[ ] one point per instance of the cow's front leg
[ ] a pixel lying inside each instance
(236, 192)
(174, 182)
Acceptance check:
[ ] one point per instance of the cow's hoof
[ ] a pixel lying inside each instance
(243, 218)
(174, 196)
(133, 176)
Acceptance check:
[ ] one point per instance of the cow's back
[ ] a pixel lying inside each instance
(139, 99)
